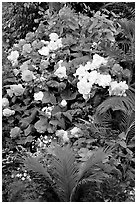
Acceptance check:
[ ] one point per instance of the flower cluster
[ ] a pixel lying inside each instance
(8, 112)
(118, 89)
(48, 110)
(52, 45)
(38, 96)
(5, 102)
(62, 134)
(16, 90)
(89, 75)
(13, 57)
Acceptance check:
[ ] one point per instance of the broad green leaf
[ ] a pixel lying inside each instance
(68, 115)
(41, 125)
(46, 97)
(68, 94)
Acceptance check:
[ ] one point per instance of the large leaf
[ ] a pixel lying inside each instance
(68, 94)
(65, 171)
(41, 125)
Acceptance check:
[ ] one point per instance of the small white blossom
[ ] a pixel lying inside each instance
(98, 61)
(63, 103)
(103, 80)
(48, 110)
(44, 51)
(10, 92)
(53, 56)
(83, 86)
(92, 77)
(53, 36)
(27, 75)
(61, 72)
(75, 131)
(23, 179)
(5, 102)
(63, 135)
(13, 57)
(38, 96)
(118, 89)
(59, 43)
(18, 90)
(7, 112)
(80, 72)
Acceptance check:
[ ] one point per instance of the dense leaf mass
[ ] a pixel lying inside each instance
(68, 101)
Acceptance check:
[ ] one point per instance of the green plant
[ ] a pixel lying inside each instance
(66, 174)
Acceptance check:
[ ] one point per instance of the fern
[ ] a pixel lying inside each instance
(125, 104)
(65, 171)
(91, 169)
(32, 164)
(66, 174)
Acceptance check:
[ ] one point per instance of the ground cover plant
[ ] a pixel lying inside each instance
(68, 104)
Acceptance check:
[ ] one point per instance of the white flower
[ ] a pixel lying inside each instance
(53, 56)
(61, 72)
(27, 75)
(52, 46)
(86, 96)
(65, 138)
(83, 86)
(48, 110)
(7, 112)
(10, 92)
(88, 66)
(18, 90)
(38, 96)
(13, 56)
(44, 51)
(118, 89)
(59, 43)
(80, 72)
(45, 42)
(5, 102)
(92, 77)
(63, 103)
(53, 36)
(98, 61)
(103, 80)
(63, 135)
(75, 131)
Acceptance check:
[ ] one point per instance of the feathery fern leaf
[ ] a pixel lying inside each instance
(34, 165)
(125, 104)
(92, 164)
(65, 171)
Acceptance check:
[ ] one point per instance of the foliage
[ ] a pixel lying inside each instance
(47, 105)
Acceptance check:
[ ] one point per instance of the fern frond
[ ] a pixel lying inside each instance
(91, 166)
(128, 28)
(65, 171)
(125, 104)
(34, 165)
(103, 120)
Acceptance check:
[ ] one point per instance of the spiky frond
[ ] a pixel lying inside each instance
(128, 28)
(32, 164)
(65, 171)
(125, 104)
(91, 169)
